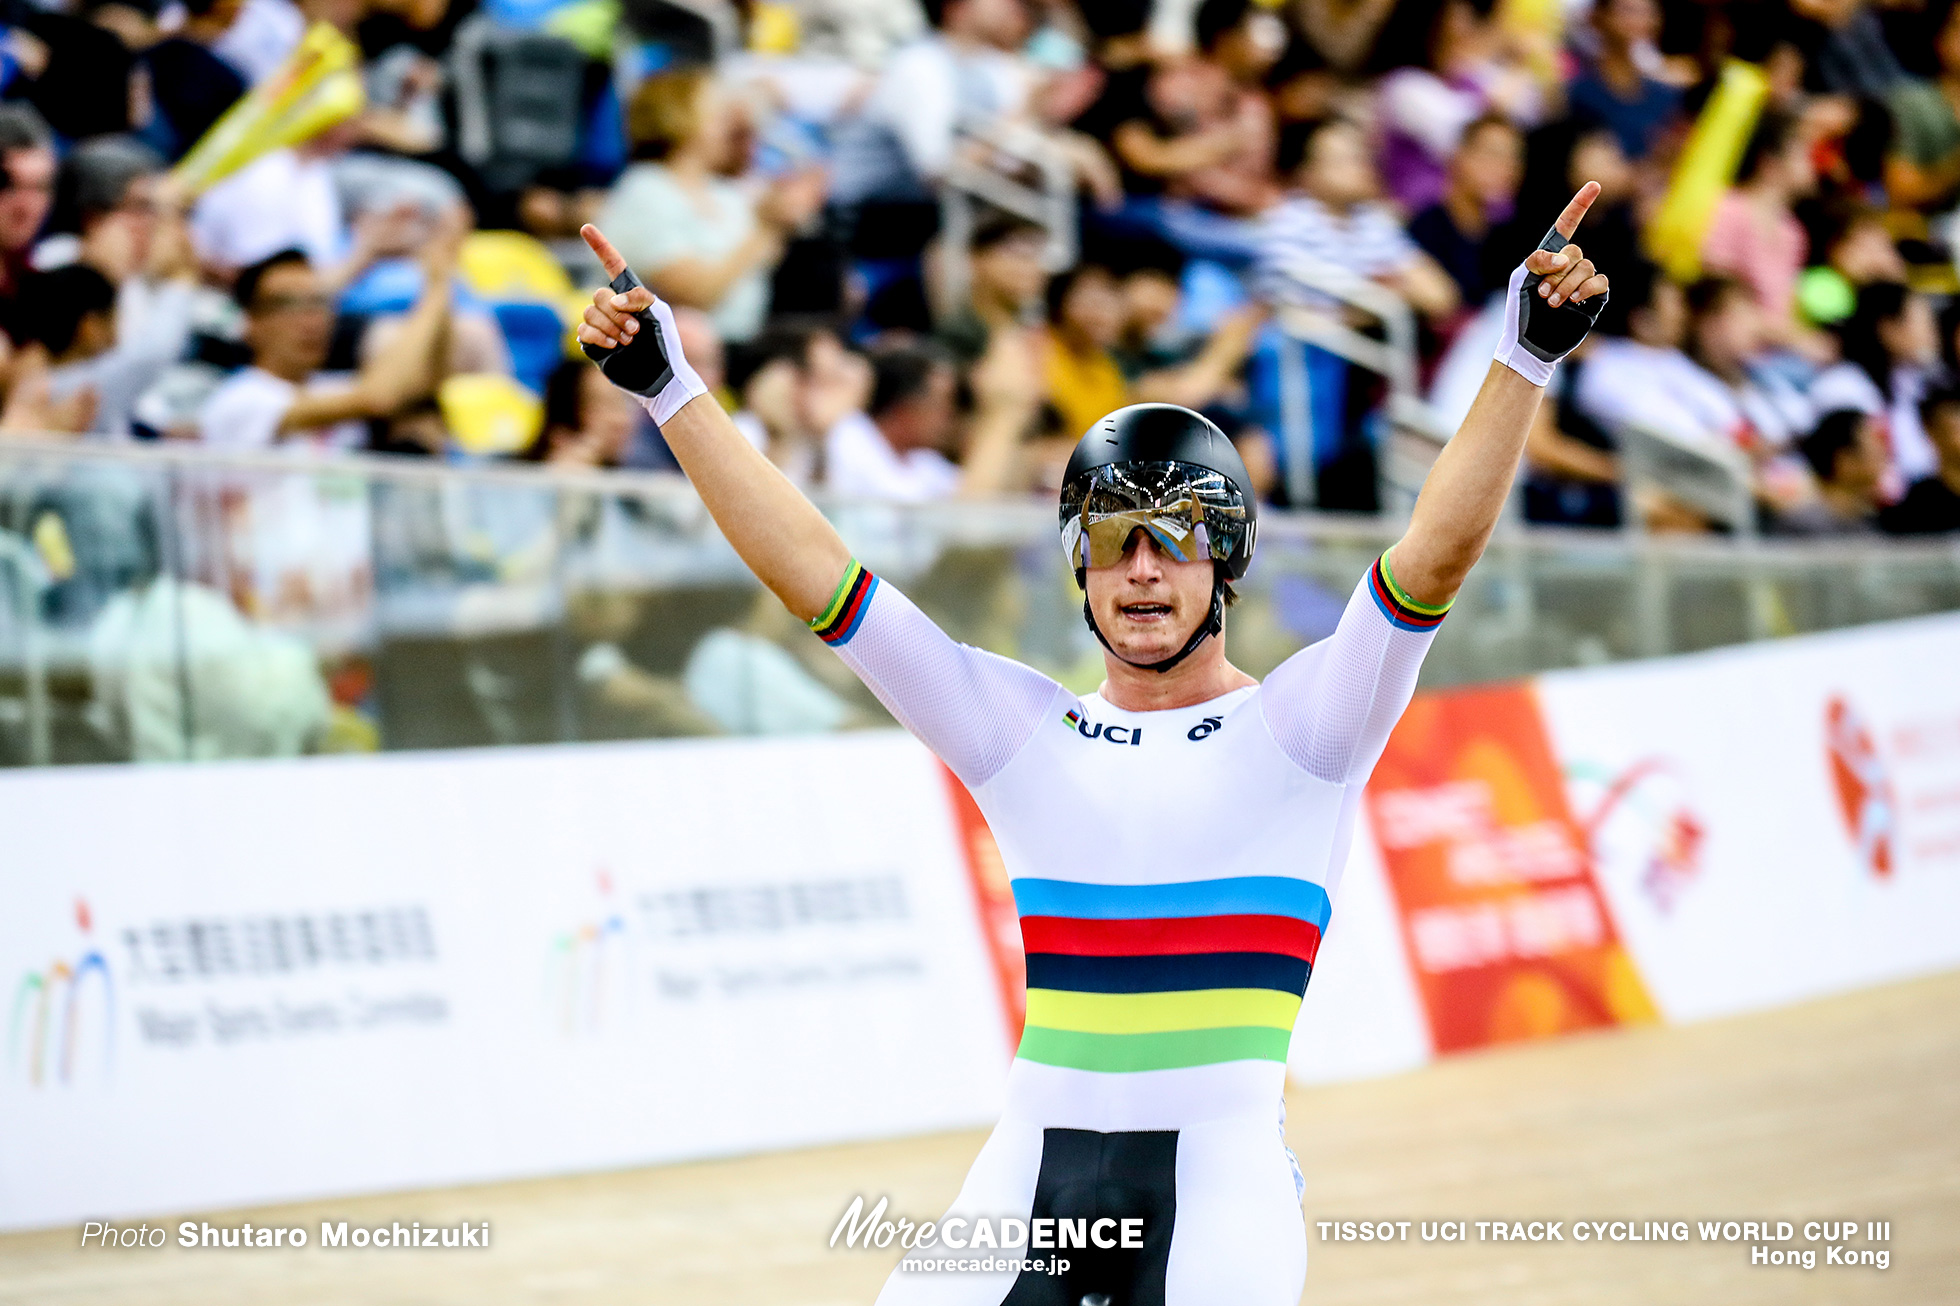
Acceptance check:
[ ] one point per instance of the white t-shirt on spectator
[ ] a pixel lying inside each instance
(930, 89)
(261, 37)
(1628, 383)
(654, 221)
(859, 463)
(245, 412)
(281, 201)
(1846, 385)
(1365, 242)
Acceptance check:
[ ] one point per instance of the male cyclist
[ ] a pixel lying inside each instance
(1175, 839)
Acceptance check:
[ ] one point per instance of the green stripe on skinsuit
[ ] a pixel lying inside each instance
(1122, 1053)
(1160, 1013)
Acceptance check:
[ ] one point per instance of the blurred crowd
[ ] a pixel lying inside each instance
(916, 247)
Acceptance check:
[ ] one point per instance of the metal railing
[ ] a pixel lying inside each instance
(1714, 480)
(1321, 317)
(167, 602)
(1014, 167)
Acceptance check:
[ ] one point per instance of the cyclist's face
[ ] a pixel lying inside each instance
(1148, 604)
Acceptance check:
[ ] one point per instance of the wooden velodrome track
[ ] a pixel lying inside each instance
(1842, 1108)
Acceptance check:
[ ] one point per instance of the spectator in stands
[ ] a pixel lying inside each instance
(588, 421)
(1085, 321)
(1483, 181)
(794, 383)
(71, 68)
(1217, 148)
(1193, 370)
(860, 32)
(768, 378)
(1616, 87)
(1120, 117)
(1637, 373)
(1727, 336)
(130, 228)
(1923, 169)
(284, 397)
(1427, 107)
(1863, 250)
(1848, 48)
(1336, 222)
(27, 172)
(1754, 235)
(1554, 154)
(696, 237)
(191, 84)
(261, 38)
(1005, 279)
(966, 74)
(1890, 343)
(895, 449)
(1847, 455)
(285, 199)
(1932, 504)
(72, 312)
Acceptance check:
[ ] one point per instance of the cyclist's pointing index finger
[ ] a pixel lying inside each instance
(1568, 221)
(615, 264)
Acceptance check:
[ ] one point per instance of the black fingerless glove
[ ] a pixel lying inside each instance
(1536, 334)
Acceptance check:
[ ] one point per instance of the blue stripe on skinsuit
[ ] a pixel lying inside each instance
(1168, 974)
(1247, 895)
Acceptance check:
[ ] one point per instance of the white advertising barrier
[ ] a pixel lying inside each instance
(1773, 822)
(1361, 1015)
(233, 984)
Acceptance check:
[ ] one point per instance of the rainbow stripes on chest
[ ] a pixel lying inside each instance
(1163, 976)
(841, 616)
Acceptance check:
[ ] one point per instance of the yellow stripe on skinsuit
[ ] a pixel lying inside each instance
(1156, 1013)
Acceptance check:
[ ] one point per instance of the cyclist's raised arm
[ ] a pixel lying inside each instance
(1553, 299)
(780, 534)
(1330, 707)
(971, 707)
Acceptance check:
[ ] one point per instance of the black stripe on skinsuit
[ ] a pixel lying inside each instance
(1090, 1176)
(1168, 974)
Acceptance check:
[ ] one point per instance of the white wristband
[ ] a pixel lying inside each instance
(1510, 351)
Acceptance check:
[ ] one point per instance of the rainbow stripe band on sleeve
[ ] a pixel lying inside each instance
(845, 611)
(1403, 612)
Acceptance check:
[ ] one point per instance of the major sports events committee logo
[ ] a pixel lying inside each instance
(64, 1014)
(1864, 786)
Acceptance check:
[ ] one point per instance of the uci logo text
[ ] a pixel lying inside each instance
(1114, 734)
(1204, 728)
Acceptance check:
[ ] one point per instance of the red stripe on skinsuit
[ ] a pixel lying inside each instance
(1170, 936)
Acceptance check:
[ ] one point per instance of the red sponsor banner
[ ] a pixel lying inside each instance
(1506, 930)
(993, 896)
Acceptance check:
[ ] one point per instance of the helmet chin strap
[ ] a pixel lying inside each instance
(1213, 624)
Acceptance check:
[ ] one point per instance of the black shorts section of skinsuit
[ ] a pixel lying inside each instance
(1090, 1176)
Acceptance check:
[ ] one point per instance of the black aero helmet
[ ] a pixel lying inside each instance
(1168, 471)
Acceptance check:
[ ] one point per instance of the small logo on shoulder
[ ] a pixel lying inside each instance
(1095, 730)
(1204, 728)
